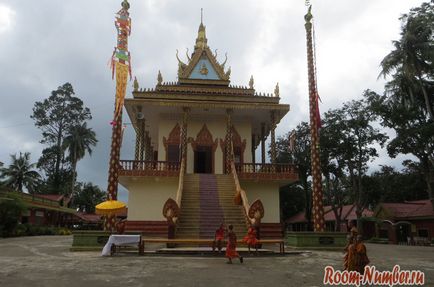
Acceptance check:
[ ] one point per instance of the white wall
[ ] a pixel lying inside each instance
(268, 193)
(146, 197)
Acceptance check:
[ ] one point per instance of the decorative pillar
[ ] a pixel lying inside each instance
(315, 122)
(228, 143)
(121, 65)
(273, 137)
(139, 152)
(184, 136)
(263, 143)
(253, 148)
(148, 147)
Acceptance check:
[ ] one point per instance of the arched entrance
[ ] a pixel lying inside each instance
(172, 144)
(204, 150)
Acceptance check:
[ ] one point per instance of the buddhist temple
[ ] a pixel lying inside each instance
(194, 165)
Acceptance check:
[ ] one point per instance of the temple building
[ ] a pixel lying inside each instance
(194, 165)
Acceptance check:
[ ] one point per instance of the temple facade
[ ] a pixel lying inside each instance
(194, 165)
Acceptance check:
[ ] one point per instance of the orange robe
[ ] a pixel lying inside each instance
(219, 234)
(356, 259)
(231, 247)
(250, 238)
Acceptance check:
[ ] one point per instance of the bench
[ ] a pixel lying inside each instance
(209, 242)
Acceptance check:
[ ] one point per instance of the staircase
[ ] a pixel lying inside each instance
(207, 201)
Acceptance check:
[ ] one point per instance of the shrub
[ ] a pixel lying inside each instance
(11, 207)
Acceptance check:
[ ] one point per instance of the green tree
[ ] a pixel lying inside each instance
(335, 182)
(11, 208)
(20, 173)
(87, 197)
(353, 145)
(300, 156)
(79, 140)
(407, 104)
(55, 116)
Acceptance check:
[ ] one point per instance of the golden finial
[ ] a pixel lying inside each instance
(308, 17)
(251, 82)
(276, 91)
(201, 41)
(135, 85)
(159, 78)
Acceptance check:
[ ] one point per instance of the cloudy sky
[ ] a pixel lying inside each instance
(45, 43)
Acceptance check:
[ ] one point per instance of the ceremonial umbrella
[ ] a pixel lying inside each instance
(110, 207)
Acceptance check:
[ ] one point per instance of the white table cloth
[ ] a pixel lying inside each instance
(119, 240)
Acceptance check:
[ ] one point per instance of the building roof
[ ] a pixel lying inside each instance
(89, 217)
(408, 209)
(54, 197)
(348, 213)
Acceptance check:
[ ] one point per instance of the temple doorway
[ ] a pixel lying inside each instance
(203, 159)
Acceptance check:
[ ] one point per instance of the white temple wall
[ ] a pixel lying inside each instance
(268, 193)
(146, 197)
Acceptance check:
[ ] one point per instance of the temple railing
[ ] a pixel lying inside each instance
(267, 171)
(148, 168)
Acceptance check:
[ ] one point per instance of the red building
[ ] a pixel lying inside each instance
(411, 222)
(299, 222)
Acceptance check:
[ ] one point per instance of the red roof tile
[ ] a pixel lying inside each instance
(89, 217)
(54, 197)
(348, 213)
(417, 208)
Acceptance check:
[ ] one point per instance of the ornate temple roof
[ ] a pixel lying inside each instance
(202, 66)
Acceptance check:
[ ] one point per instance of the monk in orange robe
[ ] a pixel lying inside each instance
(231, 247)
(219, 236)
(251, 239)
(357, 257)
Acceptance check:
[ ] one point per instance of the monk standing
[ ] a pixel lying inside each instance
(231, 247)
(356, 258)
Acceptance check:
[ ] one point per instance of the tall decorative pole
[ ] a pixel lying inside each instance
(315, 123)
(121, 66)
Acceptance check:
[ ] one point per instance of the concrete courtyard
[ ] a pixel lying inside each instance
(47, 261)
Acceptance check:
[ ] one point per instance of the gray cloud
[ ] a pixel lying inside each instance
(52, 42)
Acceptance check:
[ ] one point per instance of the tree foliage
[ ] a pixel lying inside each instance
(20, 173)
(79, 140)
(87, 196)
(407, 104)
(56, 117)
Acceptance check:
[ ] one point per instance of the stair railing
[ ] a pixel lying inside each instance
(254, 212)
(242, 194)
(180, 183)
(172, 208)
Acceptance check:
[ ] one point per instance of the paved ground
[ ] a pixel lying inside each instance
(46, 261)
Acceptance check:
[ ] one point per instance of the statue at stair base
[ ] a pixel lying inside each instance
(255, 214)
(171, 213)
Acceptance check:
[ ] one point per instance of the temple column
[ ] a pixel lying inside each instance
(273, 137)
(263, 143)
(148, 147)
(140, 140)
(253, 148)
(228, 143)
(184, 135)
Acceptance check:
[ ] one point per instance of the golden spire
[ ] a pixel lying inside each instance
(201, 40)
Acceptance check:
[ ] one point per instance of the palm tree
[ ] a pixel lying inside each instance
(79, 140)
(21, 173)
(413, 55)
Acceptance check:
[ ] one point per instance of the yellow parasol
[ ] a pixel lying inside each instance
(110, 207)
